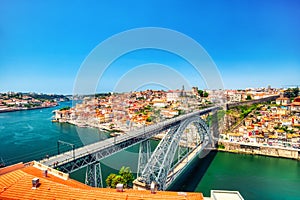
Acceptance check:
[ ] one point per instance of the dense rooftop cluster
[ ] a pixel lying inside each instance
(12, 101)
(271, 124)
(127, 111)
(130, 110)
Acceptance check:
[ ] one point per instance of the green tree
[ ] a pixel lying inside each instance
(296, 91)
(291, 92)
(126, 173)
(205, 94)
(111, 126)
(248, 97)
(149, 119)
(200, 92)
(109, 179)
(125, 177)
(65, 108)
(148, 108)
(117, 179)
(181, 112)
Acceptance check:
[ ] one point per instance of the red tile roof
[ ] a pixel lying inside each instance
(16, 183)
(297, 99)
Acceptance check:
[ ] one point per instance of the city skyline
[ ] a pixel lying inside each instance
(253, 43)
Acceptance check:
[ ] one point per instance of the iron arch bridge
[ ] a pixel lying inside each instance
(186, 135)
(180, 144)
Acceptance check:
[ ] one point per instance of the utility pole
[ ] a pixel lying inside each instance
(60, 142)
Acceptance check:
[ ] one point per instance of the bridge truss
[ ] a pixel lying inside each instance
(191, 135)
(180, 138)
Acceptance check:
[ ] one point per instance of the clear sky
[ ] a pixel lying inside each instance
(254, 43)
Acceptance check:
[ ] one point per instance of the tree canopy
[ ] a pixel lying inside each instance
(291, 92)
(202, 93)
(125, 177)
(65, 108)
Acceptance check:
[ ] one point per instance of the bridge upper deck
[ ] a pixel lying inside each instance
(136, 136)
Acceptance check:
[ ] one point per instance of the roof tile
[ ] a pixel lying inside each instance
(18, 185)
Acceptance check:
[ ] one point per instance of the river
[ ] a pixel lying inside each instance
(30, 135)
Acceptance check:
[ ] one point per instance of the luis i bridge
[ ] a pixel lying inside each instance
(184, 138)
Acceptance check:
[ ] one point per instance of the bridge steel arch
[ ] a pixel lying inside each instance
(159, 165)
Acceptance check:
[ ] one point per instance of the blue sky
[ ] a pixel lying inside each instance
(43, 43)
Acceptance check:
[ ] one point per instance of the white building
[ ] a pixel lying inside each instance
(159, 103)
(282, 101)
(173, 95)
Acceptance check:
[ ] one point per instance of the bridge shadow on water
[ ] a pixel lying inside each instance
(192, 175)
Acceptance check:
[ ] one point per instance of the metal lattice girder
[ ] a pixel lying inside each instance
(144, 155)
(115, 146)
(190, 138)
(159, 165)
(93, 176)
(92, 153)
(183, 144)
(203, 130)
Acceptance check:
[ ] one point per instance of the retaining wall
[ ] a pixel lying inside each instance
(261, 150)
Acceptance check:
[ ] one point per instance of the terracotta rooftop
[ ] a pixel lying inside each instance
(16, 183)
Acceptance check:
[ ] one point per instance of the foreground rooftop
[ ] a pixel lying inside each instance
(16, 183)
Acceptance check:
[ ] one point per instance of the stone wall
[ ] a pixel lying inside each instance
(231, 105)
(261, 150)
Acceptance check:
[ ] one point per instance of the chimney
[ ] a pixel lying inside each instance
(45, 173)
(35, 183)
(119, 187)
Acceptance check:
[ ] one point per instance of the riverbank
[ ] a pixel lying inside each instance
(90, 124)
(25, 109)
(256, 149)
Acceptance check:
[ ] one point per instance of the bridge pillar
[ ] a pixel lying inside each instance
(144, 156)
(93, 176)
(215, 129)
